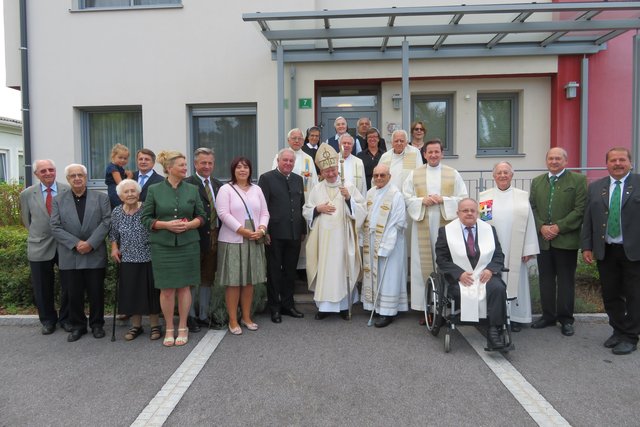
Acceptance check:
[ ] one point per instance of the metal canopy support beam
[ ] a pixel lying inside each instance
(327, 25)
(498, 37)
(454, 20)
(280, 88)
(293, 105)
(406, 100)
(584, 17)
(385, 41)
(635, 120)
(584, 112)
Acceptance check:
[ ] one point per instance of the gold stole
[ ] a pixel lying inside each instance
(447, 184)
(370, 272)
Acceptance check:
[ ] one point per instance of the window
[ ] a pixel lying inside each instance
(497, 123)
(98, 4)
(3, 167)
(21, 169)
(102, 128)
(436, 112)
(230, 131)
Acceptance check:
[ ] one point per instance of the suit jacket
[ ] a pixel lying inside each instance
(594, 228)
(67, 230)
(41, 246)
(205, 229)
(285, 199)
(153, 179)
(445, 263)
(334, 143)
(567, 210)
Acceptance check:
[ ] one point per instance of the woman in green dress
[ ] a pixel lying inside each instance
(173, 212)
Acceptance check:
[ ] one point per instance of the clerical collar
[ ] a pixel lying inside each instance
(313, 147)
(434, 167)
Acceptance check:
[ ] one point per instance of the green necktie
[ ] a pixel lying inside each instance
(214, 214)
(613, 223)
(552, 189)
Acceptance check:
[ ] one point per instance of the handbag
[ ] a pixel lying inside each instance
(261, 240)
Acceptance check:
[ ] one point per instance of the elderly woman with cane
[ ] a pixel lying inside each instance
(173, 212)
(130, 249)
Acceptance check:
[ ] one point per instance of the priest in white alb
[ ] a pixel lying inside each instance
(384, 280)
(469, 255)
(431, 193)
(401, 159)
(508, 210)
(334, 211)
(304, 165)
(350, 165)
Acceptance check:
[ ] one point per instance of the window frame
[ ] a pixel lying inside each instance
(81, 6)
(448, 99)
(222, 110)
(86, 144)
(514, 97)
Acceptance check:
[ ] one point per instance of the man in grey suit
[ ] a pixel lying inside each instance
(145, 175)
(35, 205)
(80, 221)
(611, 235)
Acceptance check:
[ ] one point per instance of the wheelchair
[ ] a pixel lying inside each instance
(440, 310)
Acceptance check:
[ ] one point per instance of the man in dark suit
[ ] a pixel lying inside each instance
(36, 203)
(208, 186)
(469, 254)
(80, 221)
(145, 175)
(284, 193)
(611, 235)
(558, 200)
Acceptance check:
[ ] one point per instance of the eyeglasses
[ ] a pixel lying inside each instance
(379, 175)
(76, 175)
(468, 211)
(418, 129)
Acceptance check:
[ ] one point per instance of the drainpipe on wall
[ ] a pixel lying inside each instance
(24, 90)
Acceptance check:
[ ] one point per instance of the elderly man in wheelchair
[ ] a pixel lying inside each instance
(469, 256)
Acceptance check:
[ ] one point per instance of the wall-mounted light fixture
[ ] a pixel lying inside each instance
(571, 89)
(396, 99)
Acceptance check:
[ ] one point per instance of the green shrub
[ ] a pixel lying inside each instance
(10, 204)
(15, 282)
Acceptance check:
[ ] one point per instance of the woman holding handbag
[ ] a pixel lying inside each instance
(242, 209)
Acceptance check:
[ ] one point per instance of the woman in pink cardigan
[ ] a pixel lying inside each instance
(241, 262)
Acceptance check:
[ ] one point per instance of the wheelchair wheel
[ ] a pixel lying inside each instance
(447, 342)
(432, 303)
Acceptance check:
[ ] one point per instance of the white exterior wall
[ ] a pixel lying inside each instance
(203, 53)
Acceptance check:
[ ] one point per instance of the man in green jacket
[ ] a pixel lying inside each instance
(558, 200)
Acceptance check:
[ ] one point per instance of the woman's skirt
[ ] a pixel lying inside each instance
(136, 291)
(176, 266)
(241, 264)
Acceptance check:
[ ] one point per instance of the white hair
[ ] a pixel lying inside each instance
(404, 132)
(75, 165)
(124, 183)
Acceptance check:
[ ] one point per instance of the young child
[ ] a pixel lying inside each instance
(115, 172)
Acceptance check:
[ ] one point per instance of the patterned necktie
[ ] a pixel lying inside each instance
(143, 179)
(214, 214)
(613, 223)
(49, 201)
(552, 189)
(471, 243)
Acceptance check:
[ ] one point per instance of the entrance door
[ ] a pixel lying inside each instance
(350, 103)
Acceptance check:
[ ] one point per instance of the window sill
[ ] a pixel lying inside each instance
(119, 8)
(496, 154)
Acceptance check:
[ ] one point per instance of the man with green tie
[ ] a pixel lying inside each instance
(558, 201)
(611, 235)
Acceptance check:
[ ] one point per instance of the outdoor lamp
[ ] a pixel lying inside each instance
(571, 89)
(396, 98)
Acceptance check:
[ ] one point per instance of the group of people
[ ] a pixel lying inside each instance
(349, 211)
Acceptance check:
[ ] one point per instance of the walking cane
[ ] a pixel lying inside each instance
(375, 300)
(115, 303)
(345, 220)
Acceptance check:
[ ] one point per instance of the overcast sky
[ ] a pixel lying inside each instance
(9, 98)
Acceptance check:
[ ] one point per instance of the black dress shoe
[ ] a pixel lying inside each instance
(48, 329)
(383, 321)
(66, 326)
(624, 347)
(98, 332)
(76, 334)
(203, 323)
(542, 323)
(516, 327)
(292, 312)
(321, 315)
(567, 329)
(612, 341)
(192, 325)
(276, 317)
(344, 314)
(493, 336)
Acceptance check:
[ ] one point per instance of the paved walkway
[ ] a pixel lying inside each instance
(308, 372)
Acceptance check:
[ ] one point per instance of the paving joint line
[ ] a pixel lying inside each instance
(538, 408)
(164, 402)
